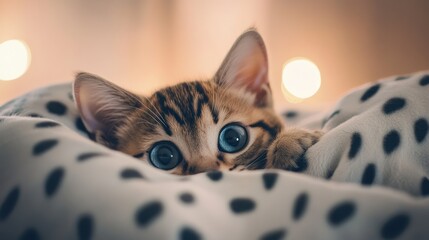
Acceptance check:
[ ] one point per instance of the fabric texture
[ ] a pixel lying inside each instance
(367, 177)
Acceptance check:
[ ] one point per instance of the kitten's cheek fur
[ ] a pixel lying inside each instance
(289, 146)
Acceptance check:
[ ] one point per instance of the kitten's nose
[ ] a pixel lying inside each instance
(202, 166)
(209, 164)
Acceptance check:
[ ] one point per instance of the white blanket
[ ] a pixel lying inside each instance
(55, 183)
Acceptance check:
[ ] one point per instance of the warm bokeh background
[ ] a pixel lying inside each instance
(143, 45)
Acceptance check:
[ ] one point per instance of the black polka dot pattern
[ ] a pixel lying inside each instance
(421, 128)
(336, 112)
(370, 92)
(290, 114)
(130, 173)
(355, 145)
(30, 234)
(215, 175)
(46, 124)
(53, 181)
(148, 213)
(44, 146)
(34, 115)
(188, 233)
(89, 155)
(393, 105)
(56, 108)
(341, 213)
(300, 206)
(424, 81)
(424, 186)
(85, 227)
(401, 78)
(368, 175)
(186, 197)
(80, 126)
(395, 226)
(242, 205)
(330, 173)
(274, 235)
(269, 180)
(9, 203)
(391, 141)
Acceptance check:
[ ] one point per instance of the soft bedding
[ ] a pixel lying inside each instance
(367, 177)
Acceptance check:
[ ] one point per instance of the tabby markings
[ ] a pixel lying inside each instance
(188, 114)
(261, 124)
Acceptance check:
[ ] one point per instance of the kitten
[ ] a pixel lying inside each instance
(226, 123)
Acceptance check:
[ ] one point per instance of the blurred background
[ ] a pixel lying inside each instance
(147, 44)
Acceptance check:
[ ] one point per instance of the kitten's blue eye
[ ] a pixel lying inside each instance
(165, 155)
(232, 138)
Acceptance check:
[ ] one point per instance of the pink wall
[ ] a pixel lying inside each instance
(144, 45)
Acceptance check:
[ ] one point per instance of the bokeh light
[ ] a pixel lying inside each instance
(301, 78)
(15, 59)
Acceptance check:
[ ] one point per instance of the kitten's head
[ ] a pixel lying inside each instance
(226, 122)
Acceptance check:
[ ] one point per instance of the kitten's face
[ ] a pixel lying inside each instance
(206, 126)
(224, 123)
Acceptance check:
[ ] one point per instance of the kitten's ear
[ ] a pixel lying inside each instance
(103, 106)
(246, 68)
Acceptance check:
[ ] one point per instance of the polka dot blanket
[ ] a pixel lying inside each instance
(367, 178)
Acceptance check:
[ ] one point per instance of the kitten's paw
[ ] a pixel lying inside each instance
(289, 147)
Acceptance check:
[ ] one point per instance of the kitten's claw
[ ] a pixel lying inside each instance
(288, 148)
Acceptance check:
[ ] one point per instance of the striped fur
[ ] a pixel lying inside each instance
(191, 115)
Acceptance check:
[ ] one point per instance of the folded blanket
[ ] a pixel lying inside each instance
(377, 134)
(367, 178)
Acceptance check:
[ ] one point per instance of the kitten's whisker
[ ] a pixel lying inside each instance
(154, 116)
(116, 112)
(254, 162)
(260, 158)
(142, 121)
(161, 118)
(119, 110)
(157, 115)
(155, 119)
(223, 92)
(151, 114)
